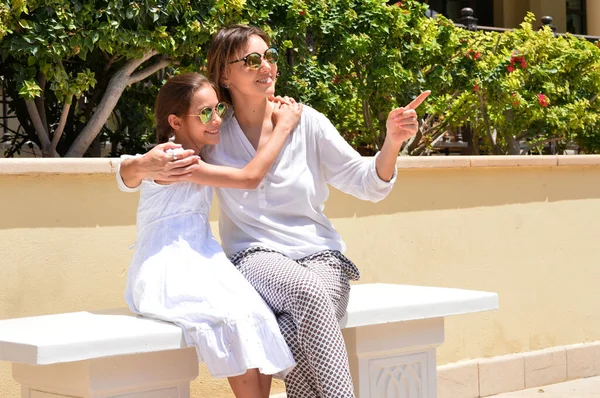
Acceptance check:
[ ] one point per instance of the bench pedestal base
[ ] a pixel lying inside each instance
(395, 360)
(165, 374)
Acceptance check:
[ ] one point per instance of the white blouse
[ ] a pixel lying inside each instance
(285, 213)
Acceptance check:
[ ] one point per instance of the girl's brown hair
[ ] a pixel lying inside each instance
(174, 98)
(227, 45)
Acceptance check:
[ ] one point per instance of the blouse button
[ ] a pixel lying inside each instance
(262, 187)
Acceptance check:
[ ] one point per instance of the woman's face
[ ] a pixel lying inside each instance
(190, 124)
(246, 82)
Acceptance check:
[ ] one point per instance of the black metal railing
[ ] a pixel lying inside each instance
(469, 21)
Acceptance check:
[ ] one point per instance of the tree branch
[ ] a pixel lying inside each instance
(161, 63)
(110, 62)
(541, 142)
(522, 135)
(117, 84)
(488, 129)
(40, 102)
(47, 150)
(61, 123)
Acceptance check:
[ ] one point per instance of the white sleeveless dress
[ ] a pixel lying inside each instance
(180, 274)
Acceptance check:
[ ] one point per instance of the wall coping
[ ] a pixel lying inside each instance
(26, 166)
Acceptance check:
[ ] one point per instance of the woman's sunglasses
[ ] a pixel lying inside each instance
(253, 60)
(206, 113)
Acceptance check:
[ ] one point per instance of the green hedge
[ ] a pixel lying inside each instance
(352, 60)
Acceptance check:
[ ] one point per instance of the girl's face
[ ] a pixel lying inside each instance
(191, 127)
(247, 82)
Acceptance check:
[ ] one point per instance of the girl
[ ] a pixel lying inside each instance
(179, 272)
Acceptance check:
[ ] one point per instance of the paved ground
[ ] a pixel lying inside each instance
(583, 388)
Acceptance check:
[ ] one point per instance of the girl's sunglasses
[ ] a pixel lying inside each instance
(253, 60)
(206, 113)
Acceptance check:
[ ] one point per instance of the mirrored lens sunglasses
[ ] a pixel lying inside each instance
(206, 113)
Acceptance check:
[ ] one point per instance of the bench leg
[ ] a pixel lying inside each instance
(165, 374)
(395, 360)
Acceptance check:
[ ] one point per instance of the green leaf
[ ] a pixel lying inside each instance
(29, 90)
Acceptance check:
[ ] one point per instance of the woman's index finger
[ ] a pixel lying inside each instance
(419, 100)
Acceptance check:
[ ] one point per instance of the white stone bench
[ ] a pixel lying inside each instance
(391, 333)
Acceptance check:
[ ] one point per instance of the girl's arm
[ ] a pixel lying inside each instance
(157, 164)
(286, 117)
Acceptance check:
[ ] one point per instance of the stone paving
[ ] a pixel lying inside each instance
(582, 388)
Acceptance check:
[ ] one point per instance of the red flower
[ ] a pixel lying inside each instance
(473, 55)
(543, 100)
(399, 4)
(510, 68)
(518, 59)
(515, 103)
(302, 13)
(476, 88)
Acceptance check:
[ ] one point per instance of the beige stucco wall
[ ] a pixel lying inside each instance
(513, 13)
(557, 9)
(510, 13)
(522, 226)
(593, 17)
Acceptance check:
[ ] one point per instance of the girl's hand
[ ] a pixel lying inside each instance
(168, 162)
(402, 123)
(286, 113)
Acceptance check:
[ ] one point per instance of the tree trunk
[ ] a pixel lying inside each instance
(514, 148)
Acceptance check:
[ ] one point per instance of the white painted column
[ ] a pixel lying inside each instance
(165, 374)
(395, 360)
(593, 17)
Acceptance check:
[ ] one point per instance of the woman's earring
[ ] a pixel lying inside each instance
(225, 85)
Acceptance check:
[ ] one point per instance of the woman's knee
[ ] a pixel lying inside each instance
(309, 290)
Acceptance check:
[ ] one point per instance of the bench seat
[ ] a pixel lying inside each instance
(391, 333)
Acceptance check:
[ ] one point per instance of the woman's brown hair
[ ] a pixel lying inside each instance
(174, 98)
(227, 44)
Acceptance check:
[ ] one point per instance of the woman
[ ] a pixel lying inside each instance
(277, 235)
